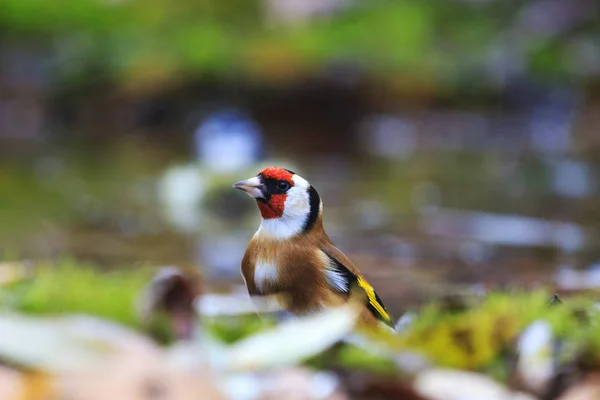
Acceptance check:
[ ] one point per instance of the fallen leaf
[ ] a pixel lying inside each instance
(446, 384)
(294, 340)
(588, 389)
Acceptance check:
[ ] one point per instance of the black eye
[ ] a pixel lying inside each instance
(283, 185)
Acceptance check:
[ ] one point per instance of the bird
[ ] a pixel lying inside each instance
(291, 255)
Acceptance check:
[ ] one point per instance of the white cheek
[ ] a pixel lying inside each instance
(296, 210)
(296, 204)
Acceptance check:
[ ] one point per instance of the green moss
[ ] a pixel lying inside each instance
(232, 329)
(159, 327)
(355, 358)
(478, 338)
(72, 287)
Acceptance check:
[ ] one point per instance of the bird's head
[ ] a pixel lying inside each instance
(287, 202)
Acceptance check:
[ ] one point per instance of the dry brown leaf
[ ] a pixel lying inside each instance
(11, 383)
(301, 384)
(588, 389)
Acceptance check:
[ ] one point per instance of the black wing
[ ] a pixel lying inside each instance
(341, 279)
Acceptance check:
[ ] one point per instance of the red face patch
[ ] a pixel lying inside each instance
(277, 173)
(275, 206)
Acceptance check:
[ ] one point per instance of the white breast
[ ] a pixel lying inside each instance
(281, 228)
(264, 272)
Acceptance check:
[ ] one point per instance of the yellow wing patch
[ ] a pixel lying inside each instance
(340, 278)
(374, 300)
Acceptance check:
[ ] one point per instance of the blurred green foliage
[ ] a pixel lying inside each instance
(358, 359)
(232, 329)
(74, 191)
(480, 337)
(71, 286)
(139, 42)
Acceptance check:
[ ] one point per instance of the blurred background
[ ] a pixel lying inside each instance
(454, 142)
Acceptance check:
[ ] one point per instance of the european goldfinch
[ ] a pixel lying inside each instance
(291, 255)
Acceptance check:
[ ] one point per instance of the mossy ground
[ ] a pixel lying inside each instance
(480, 337)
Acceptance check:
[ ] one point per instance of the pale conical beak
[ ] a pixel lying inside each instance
(252, 186)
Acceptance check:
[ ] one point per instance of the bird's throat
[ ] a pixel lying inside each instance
(273, 208)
